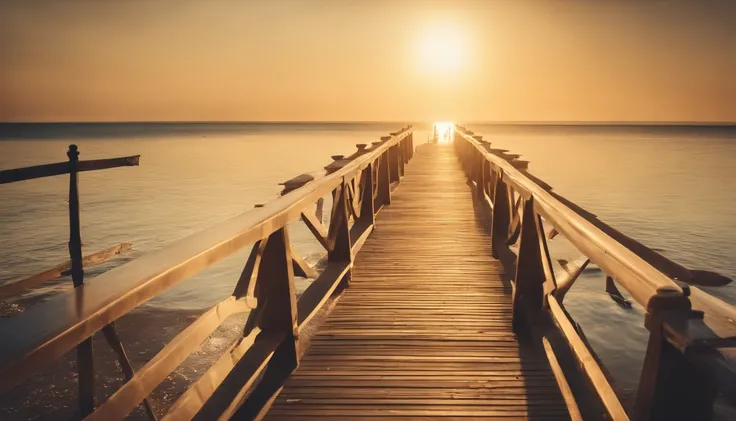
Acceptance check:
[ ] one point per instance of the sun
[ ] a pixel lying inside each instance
(443, 131)
(442, 49)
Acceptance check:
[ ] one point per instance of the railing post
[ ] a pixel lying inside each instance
(339, 232)
(501, 215)
(394, 166)
(367, 205)
(480, 170)
(670, 387)
(75, 236)
(276, 313)
(488, 171)
(533, 269)
(402, 161)
(408, 147)
(85, 354)
(383, 196)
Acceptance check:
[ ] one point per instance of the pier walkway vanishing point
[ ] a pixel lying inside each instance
(443, 305)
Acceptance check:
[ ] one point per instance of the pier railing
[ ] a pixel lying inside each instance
(691, 353)
(76, 263)
(257, 364)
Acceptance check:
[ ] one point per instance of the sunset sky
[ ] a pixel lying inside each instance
(368, 60)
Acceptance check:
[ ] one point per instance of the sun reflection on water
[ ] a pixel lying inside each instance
(443, 131)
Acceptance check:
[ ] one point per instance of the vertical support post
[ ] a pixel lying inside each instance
(384, 181)
(342, 250)
(501, 215)
(276, 280)
(319, 210)
(408, 147)
(670, 387)
(367, 206)
(75, 236)
(533, 269)
(394, 158)
(480, 178)
(403, 158)
(276, 297)
(85, 355)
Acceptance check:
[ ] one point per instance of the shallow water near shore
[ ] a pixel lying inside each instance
(670, 188)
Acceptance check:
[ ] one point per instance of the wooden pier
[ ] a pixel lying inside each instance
(424, 329)
(443, 305)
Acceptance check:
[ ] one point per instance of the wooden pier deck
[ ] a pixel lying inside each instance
(424, 331)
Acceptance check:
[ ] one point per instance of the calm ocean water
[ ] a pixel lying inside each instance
(672, 188)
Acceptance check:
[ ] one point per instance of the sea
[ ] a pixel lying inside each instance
(672, 188)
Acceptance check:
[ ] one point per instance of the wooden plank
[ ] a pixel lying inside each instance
(127, 398)
(237, 370)
(588, 363)
(424, 329)
(301, 267)
(319, 291)
(58, 168)
(16, 287)
(316, 228)
(572, 405)
(111, 335)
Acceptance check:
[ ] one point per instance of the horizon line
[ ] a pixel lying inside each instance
(495, 122)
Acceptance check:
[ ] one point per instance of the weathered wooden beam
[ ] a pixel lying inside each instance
(219, 392)
(111, 335)
(320, 290)
(572, 272)
(501, 216)
(301, 267)
(246, 286)
(394, 165)
(567, 395)
(316, 228)
(533, 271)
(279, 316)
(671, 386)
(339, 234)
(85, 354)
(62, 269)
(615, 294)
(132, 393)
(58, 168)
(383, 194)
(587, 362)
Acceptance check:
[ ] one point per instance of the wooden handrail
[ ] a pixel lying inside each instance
(58, 168)
(645, 283)
(691, 351)
(45, 332)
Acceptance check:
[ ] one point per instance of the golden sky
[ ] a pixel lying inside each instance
(368, 60)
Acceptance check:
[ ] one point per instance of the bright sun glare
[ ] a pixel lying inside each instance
(442, 49)
(443, 131)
